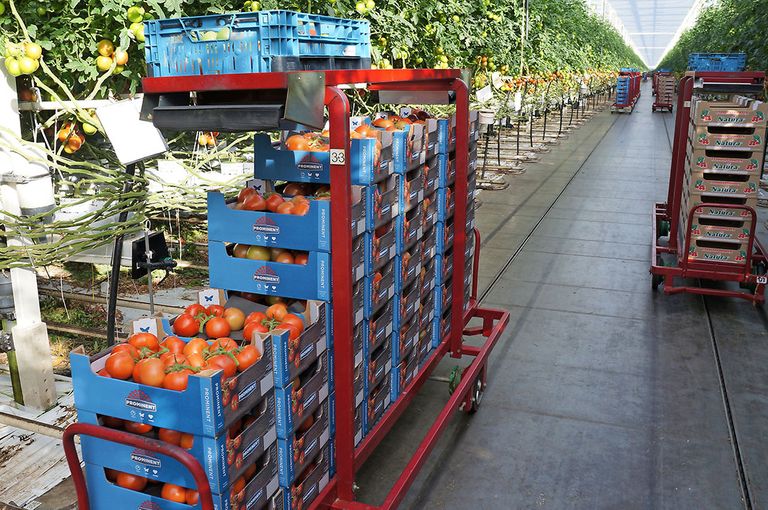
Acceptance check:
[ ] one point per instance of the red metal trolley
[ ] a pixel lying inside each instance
(414, 86)
(669, 251)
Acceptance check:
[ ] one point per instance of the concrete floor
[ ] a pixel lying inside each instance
(602, 394)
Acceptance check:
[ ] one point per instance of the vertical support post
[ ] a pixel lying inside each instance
(674, 198)
(341, 278)
(30, 335)
(459, 216)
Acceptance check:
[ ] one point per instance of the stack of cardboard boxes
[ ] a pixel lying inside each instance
(726, 145)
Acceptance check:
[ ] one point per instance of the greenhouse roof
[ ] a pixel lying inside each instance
(653, 26)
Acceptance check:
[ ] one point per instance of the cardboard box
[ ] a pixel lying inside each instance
(429, 243)
(380, 247)
(297, 451)
(302, 397)
(404, 339)
(431, 175)
(378, 365)
(724, 161)
(382, 202)
(406, 304)
(311, 232)
(411, 188)
(721, 113)
(380, 287)
(223, 459)
(310, 281)
(403, 374)
(446, 203)
(428, 276)
(411, 153)
(407, 267)
(705, 226)
(722, 183)
(427, 307)
(429, 212)
(293, 357)
(713, 137)
(379, 329)
(207, 407)
(303, 492)
(376, 404)
(370, 160)
(261, 492)
(725, 251)
(711, 201)
(408, 229)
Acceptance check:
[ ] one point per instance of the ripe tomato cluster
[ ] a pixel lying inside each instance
(168, 364)
(139, 483)
(215, 321)
(276, 317)
(71, 137)
(251, 200)
(280, 255)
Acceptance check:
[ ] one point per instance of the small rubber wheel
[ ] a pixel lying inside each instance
(478, 388)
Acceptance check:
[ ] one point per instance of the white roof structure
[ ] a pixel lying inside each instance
(651, 27)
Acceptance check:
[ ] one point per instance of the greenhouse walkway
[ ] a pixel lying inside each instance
(603, 394)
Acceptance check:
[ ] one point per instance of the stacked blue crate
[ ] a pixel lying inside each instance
(730, 62)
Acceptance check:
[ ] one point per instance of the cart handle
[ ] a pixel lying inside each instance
(145, 443)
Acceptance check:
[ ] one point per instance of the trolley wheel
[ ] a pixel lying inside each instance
(475, 396)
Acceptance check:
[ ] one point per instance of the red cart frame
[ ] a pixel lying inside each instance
(666, 215)
(339, 492)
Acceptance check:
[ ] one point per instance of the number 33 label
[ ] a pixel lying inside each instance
(338, 156)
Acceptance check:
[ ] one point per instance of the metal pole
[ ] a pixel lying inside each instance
(117, 256)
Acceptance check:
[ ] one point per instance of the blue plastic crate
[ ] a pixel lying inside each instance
(255, 42)
(732, 62)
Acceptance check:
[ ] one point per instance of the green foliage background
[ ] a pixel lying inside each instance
(727, 26)
(563, 35)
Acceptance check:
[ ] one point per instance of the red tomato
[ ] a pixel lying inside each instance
(132, 482)
(169, 436)
(300, 208)
(297, 143)
(187, 441)
(142, 340)
(113, 423)
(294, 319)
(195, 346)
(137, 428)
(174, 344)
(196, 361)
(174, 493)
(195, 310)
(285, 208)
(246, 357)
(301, 258)
(285, 258)
(124, 347)
(215, 310)
(254, 203)
(170, 358)
(251, 328)
(217, 327)
(225, 343)
(255, 317)
(224, 363)
(294, 331)
(246, 192)
(274, 201)
(235, 317)
(120, 365)
(152, 372)
(177, 380)
(277, 311)
(192, 497)
(186, 325)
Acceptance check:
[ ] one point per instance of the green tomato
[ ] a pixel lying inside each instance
(13, 50)
(41, 11)
(135, 14)
(2, 10)
(456, 19)
(360, 7)
(89, 129)
(382, 41)
(223, 34)
(370, 4)
(33, 50)
(210, 35)
(255, 6)
(148, 15)
(118, 69)
(28, 65)
(138, 31)
(247, 5)
(12, 65)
